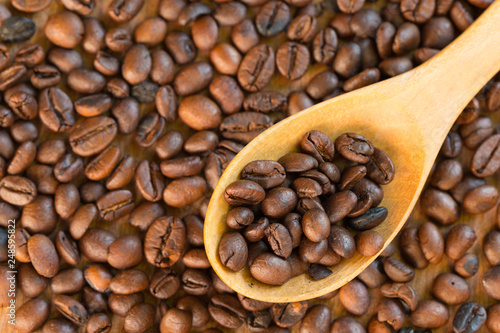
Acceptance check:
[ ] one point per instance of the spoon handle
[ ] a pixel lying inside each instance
(440, 89)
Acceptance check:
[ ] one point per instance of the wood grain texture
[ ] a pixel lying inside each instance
(423, 280)
(407, 117)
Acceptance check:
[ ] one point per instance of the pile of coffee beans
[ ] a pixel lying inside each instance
(289, 211)
(117, 118)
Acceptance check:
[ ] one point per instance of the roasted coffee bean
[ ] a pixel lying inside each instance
(244, 36)
(192, 12)
(164, 283)
(66, 200)
(17, 29)
(181, 47)
(279, 202)
(196, 258)
(373, 276)
(256, 68)
(71, 309)
(271, 269)
(103, 164)
(227, 310)
(431, 242)
(340, 204)
(325, 45)
(149, 129)
(145, 92)
(244, 126)
(121, 304)
(316, 225)
(205, 33)
(452, 145)
(116, 204)
(256, 231)
(99, 322)
(67, 248)
(44, 76)
(480, 199)
(40, 215)
(467, 265)
(369, 243)
(402, 291)
(302, 28)
(230, 13)
(129, 282)
(239, 217)
(397, 270)
(350, 6)
(182, 167)
(196, 282)
(136, 64)
(486, 159)
(151, 31)
(350, 324)
(354, 298)
(311, 252)
(29, 55)
(17, 190)
(67, 281)
(95, 244)
(459, 239)
(341, 242)
(192, 78)
(11, 75)
(451, 289)
(491, 247)
(65, 60)
(31, 315)
(469, 114)
(233, 250)
(43, 255)
(23, 104)
(317, 319)
(58, 325)
(439, 206)
(225, 58)
(418, 11)
(118, 39)
(244, 192)
(411, 249)
(149, 181)
(176, 320)
(6, 117)
(470, 317)
(288, 314)
(265, 102)
(30, 282)
(123, 173)
(493, 318)
(106, 64)
(165, 241)
(226, 92)
(140, 318)
(145, 214)
(491, 282)
(347, 62)
(447, 174)
(64, 29)
(93, 39)
(125, 252)
(476, 132)
(429, 314)
(200, 113)
(124, 10)
(184, 191)
(21, 242)
(93, 105)
(298, 101)
(272, 18)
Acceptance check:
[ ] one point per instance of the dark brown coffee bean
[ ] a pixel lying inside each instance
(118, 39)
(194, 226)
(43, 255)
(470, 317)
(123, 173)
(181, 47)
(233, 251)
(302, 28)
(17, 29)
(467, 184)
(272, 18)
(165, 241)
(176, 320)
(99, 322)
(93, 105)
(196, 282)
(271, 269)
(66, 200)
(145, 214)
(21, 241)
(467, 266)
(395, 66)
(256, 231)
(225, 58)
(124, 10)
(67, 281)
(493, 318)
(244, 36)
(140, 318)
(184, 191)
(67, 248)
(384, 39)
(447, 174)
(369, 243)
(126, 112)
(200, 113)
(288, 314)
(116, 204)
(430, 314)
(451, 289)
(30, 282)
(491, 247)
(44, 76)
(95, 244)
(93, 39)
(423, 54)
(149, 129)
(11, 75)
(341, 242)
(65, 60)
(40, 215)
(397, 270)
(354, 147)
(129, 282)
(407, 38)
(402, 291)
(205, 33)
(6, 117)
(316, 320)
(374, 276)
(32, 315)
(17, 190)
(350, 324)
(136, 64)
(145, 92)
(452, 145)
(265, 102)
(239, 217)
(354, 297)
(192, 78)
(476, 132)
(244, 126)
(164, 283)
(182, 167)
(439, 206)
(418, 11)
(106, 63)
(469, 114)
(486, 159)
(58, 325)
(125, 252)
(192, 12)
(151, 31)
(491, 282)
(279, 202)
(71, 309)
(226, 92)
(149, 181)
(256, 68)
(92, 135)
(121, 304)
(369, 220)
(103, 164)
(437, 33)
(459, 239)
(64, 29)
(480, 199)
(24, 105)
(347, 62)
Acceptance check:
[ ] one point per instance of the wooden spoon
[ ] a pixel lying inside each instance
(407, 116)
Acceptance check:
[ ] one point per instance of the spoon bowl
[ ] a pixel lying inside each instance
(407, 117)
